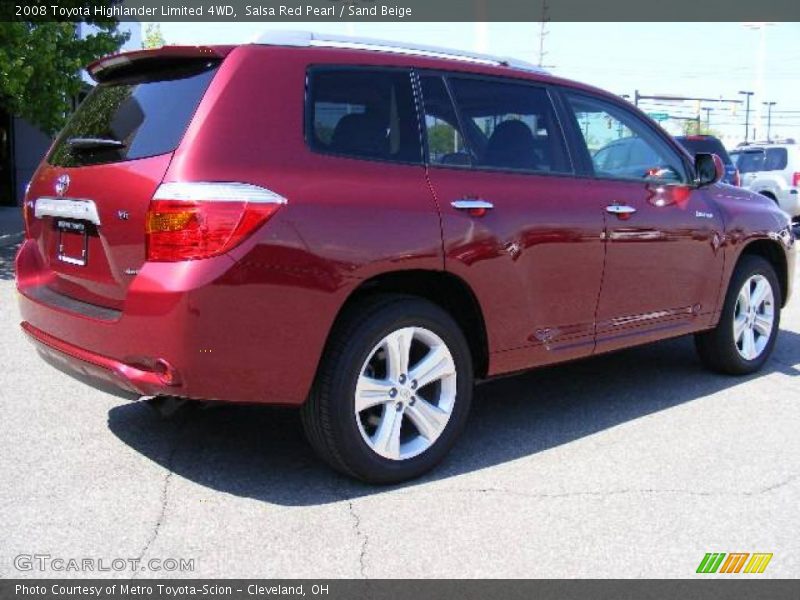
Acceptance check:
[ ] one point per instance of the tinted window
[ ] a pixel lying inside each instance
(363, 113)
(509, 125)
(710, 145)
(749, 161)
(446, 145)
(621, 145)
(775, 159)
(146, 116)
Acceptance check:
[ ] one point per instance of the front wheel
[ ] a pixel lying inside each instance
(393, 390)
(745, 335)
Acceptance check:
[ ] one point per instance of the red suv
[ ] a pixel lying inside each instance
(363, 230)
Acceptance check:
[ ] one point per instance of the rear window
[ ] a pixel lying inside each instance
(707, 145)
(749, 161)
(137, 117)
(363, 113)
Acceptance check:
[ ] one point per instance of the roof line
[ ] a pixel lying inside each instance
(312, 39)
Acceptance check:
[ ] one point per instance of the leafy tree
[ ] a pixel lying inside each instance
(694, 127)
(153, 38)
(40, 64)
(441, 139)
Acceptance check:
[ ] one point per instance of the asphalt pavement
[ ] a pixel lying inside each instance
(633, 464)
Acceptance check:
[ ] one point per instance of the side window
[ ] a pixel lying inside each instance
(775, 159)
(506, 125)
(363, 113)
(446, 145)
(621, 146)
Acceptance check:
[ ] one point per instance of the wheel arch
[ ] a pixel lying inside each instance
(769, 194)
(444, 289)
(772, 252)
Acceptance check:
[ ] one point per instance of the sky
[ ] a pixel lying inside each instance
(709, 60)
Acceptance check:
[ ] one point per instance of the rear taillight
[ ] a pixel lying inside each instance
(737, 178)
(795, 179)
(191, 220)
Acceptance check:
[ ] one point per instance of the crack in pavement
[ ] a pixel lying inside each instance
(362, 557)
(164, 497)
(600, 494)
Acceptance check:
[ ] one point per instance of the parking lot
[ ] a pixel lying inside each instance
(627, 465)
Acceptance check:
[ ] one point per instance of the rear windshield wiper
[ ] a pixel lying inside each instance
(81, 143)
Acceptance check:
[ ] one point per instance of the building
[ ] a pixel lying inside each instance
(22, 145)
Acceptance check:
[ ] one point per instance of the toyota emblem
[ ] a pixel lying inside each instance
(62, 185)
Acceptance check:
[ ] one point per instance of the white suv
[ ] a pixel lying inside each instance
(773, 170)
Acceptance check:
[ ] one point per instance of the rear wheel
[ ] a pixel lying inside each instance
(745, 335)
(393, 390)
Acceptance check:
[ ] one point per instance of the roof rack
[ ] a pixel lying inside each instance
(312, 39)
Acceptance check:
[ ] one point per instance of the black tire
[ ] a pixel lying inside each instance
(329, 414)
(717, 347)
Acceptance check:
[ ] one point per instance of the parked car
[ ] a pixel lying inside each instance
(362, 230)
(772, 170)
(696, 144)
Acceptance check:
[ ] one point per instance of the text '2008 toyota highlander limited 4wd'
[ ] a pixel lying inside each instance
(362, 230)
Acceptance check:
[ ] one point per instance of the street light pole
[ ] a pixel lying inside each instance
(747, 116)
(769, 106)
(708, 117)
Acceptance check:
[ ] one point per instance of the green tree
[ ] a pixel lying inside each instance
(40, 65)
(695, 127)
(441, 139)
(153, 38)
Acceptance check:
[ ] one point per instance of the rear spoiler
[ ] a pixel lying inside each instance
(117, 65)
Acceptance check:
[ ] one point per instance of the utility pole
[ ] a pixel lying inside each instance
(708, 117)
(543, 33)
(747, 115)
(769, 106)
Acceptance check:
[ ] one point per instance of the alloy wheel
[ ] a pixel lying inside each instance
(753, 317)
(405, 393)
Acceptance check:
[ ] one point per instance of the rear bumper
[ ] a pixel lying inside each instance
(213, 329)
(96, 370)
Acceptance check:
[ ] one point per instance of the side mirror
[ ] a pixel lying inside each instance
(709, 168)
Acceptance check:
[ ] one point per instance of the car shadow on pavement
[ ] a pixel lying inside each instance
(260, 452)
(7, 254)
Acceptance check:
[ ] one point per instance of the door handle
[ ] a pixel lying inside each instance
(471, 204)
(620, 209)
(474, 206)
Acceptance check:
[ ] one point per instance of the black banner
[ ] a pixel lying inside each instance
(401, 10)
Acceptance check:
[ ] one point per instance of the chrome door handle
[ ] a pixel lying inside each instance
(471, 204)
(620, 209)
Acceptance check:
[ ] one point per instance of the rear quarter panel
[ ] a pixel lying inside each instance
(345, 221)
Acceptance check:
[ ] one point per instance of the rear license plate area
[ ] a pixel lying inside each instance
(72, 242)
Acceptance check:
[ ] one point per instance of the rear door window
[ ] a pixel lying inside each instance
(363, 113)
(137, 117)
(446, 145)
(509, 125)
